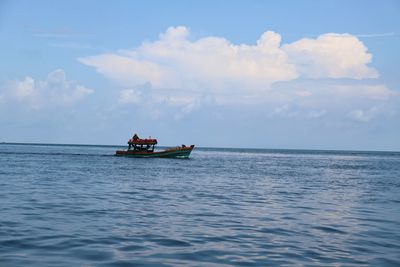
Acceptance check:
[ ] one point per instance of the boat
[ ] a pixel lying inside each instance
(145, 148)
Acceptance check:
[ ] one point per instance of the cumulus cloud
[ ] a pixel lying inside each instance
(331, 56)
(24, 88)
(183, 74)
(54, 90)
(209, 63)
(214, 63)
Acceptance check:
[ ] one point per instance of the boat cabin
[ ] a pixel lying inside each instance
(137, 144)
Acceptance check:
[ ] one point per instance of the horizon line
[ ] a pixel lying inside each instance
(229, 148)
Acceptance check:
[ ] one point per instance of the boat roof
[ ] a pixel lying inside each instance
(147, 141)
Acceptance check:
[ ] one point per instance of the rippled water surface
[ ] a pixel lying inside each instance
(82, 206)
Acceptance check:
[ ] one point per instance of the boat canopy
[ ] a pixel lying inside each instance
(147, 141)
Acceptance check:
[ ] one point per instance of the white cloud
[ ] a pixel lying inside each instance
(24, 88)
(331, 56)
(180, 74)
(303, 93)
(317, 99)
(373, 35)
(359, 115)
(379, 92)
(162, 102)
(209, 63)
(55, 90)
(129, 96)
(364, 115)
(357, 92)
(214, 63)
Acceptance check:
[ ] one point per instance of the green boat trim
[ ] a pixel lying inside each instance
(177, 152)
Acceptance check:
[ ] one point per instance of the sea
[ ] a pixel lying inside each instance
(69, 205)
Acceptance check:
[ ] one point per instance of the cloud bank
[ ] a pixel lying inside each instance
(215, 64)
(183, 74)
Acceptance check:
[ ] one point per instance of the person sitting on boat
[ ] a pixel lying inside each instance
(135, 137)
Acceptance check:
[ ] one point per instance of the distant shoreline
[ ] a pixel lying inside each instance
(232, 149)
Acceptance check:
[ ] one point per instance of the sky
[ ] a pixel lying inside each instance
(250, 74)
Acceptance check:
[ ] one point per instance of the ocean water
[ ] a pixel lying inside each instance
(82, 206)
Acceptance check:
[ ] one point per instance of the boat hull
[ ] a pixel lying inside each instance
(179, 152)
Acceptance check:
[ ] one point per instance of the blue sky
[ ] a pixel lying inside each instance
(269, 74)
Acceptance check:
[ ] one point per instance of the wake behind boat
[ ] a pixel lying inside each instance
(145, 148)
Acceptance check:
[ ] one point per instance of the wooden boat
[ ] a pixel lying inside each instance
(145, 148)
